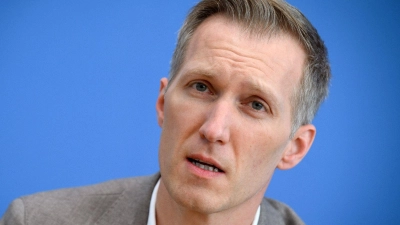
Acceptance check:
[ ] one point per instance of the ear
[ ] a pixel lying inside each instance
(298, 147)
(160, 101)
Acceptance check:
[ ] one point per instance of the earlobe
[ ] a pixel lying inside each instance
(298, 147)
(160, 101)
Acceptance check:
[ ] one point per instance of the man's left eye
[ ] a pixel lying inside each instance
(257, 105)
(200, 87)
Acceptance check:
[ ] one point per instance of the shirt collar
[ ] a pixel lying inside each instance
(152, 210)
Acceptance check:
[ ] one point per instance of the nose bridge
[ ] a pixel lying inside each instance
(216, 126)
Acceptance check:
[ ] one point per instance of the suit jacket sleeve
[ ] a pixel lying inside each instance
(14, 214)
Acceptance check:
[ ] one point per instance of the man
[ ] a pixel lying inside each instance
(246, 80)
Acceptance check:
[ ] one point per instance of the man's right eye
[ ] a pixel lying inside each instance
(200, 87)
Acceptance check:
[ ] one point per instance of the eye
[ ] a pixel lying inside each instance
(257, 105)
(200, 87)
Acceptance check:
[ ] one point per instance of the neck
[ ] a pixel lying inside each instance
(169, 212)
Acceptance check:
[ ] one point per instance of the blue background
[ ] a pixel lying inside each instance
(79, 80)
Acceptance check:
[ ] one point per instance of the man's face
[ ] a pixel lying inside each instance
(226, 116)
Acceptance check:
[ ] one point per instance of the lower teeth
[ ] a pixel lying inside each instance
(205, 167)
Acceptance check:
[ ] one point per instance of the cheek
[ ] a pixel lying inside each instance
(263, 154)
(164, 151)
(182, 118)
(178, 110)
(179, 125)
(172, 124)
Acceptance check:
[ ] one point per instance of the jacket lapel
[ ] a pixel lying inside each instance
(132, 206)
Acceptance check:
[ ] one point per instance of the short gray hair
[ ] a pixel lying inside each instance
(266, 17)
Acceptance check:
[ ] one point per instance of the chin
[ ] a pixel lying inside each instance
(198, 200)
(201, 206)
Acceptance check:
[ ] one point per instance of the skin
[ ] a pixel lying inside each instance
(228, 106)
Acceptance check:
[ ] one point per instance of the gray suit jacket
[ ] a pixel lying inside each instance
(117, 202)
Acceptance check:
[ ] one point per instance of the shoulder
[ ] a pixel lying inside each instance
(103, 192)
(274, 212)
(112, 187)
(81, 205)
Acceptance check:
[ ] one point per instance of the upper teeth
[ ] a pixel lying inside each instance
(205, 167)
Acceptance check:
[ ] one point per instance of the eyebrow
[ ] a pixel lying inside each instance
(202, 72)
(270, 96)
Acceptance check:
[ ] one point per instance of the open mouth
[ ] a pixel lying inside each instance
(202, 165)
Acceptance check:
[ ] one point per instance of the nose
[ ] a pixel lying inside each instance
(215, 128)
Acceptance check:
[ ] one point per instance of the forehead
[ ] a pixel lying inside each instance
(276, 57)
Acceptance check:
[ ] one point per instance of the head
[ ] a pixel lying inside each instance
(238, 74)
(266, 18)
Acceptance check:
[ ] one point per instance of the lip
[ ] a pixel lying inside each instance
(202, 172)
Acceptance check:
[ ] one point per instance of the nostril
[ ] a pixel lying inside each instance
(216, 124)
(213, 134)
